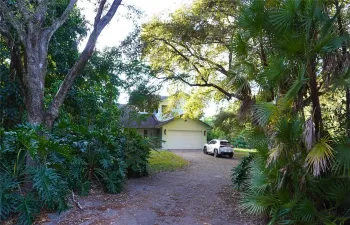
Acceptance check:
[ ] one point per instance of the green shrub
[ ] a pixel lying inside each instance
(98, 157)
(28, 208)
(52, 189)
(70, 158)
(284, 185)
(239, 142)
(8, 199)
(77, 179)
(137, 153)
(240, 173)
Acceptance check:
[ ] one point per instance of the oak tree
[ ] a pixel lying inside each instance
(29, 26)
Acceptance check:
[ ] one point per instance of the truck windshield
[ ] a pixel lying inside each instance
(225, 143)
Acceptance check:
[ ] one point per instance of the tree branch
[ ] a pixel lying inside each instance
(99, 12)
(4, 30)
(23, 9)
(205, 84)
(7, 15)
(219, 67)
(59, 21)
(78, 67)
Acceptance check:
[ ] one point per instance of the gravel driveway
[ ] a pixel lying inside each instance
(198, 194)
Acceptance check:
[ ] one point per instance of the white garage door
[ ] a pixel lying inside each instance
(183, 139)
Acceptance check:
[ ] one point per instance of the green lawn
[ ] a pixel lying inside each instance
(165, 161)
(241, 152)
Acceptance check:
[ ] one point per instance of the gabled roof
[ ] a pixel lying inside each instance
(150, 121)
(172, 119)
(163, 97)
(143, 120)
(132, 119)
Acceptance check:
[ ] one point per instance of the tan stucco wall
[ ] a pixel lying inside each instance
(185, 125)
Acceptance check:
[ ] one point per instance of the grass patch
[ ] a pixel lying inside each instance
(245, 150)
(241, 152)
(165, 161)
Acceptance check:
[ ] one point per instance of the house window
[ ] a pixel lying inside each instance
(145, 133)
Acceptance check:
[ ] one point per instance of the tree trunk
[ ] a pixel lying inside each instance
(316, 107)
(34, 82)
(35, 37)
(263, 59)
(348, 111)
(34, 86)
(344, 51)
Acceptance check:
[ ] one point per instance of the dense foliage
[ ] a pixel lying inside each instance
(87, 146)
(286, 63)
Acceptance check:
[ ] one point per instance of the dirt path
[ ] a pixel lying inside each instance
(199, 194)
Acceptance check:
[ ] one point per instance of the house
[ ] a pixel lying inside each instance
(168, 125)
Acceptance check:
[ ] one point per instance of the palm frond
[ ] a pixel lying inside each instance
(240, 46)
(318, 159)
(305, 211)
(253, 18)
(257, 138)
(240, 83)
(339, 192)
(259, 181)
(288, 131)
(257, 204)
(264, 112)
(342, 81)
(293, 91)
(274, 72)
(341, 164)
(283, 17)
(274, 153)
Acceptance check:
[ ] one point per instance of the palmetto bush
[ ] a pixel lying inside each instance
(292, 184)
(241, 173)
(300, 173)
